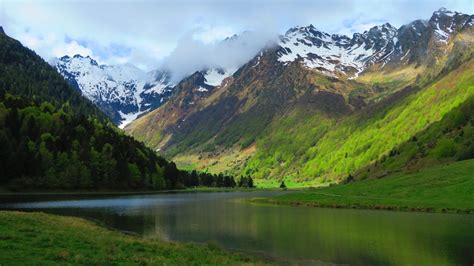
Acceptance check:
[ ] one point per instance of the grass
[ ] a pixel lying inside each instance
(314, 148)
(445, 188)
(393, 80)
(213, 162)
(43, 239)
(290, 184)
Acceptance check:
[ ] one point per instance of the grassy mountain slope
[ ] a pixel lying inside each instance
(290, 123)
(323, 153)
(309, 147)
(235, 115)
(450, 139)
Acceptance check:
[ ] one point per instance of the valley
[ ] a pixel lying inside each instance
(217, 142)
(282, 115)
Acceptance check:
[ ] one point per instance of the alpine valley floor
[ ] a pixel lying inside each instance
(445, 188)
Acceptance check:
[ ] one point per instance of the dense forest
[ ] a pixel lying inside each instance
(53, 138)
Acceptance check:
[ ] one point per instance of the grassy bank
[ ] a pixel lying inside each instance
(445, 188)
(39, 239)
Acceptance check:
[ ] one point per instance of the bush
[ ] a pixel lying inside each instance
(444, 148)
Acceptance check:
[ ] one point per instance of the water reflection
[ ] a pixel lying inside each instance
(356, 237)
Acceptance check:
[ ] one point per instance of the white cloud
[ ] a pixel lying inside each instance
(50, 46)
(154, 29)
(209, 34)
(191, 55)
(71, 49)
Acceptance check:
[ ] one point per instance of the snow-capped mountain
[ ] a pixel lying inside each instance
(123, 92)
(335, 54)
(444, 22)
(338, 53)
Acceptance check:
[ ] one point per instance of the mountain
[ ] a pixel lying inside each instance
(317, 107)
(335, 54)
(338, 54)
(123, 92)
(54, 138)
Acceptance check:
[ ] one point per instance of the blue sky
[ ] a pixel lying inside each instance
(145, 33)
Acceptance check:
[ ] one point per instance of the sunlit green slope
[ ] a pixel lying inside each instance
(319, 149)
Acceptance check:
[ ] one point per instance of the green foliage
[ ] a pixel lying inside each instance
(53, 138)
(52, 148)
(450, 139)
(282, 185)
(444, 148)
(24, 73)
(282, 149)
(314, 146)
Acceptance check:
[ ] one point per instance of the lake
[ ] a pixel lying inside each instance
(280, 233)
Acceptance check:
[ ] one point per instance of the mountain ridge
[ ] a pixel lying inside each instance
(225, 130)
(133, 94)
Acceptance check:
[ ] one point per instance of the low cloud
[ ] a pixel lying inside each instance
(150, 33)
(192, 54)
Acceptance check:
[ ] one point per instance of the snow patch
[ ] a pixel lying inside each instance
(128, 118)
(214, 77)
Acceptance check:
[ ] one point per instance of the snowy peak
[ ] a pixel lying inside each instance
(122, 91)
(443, 12)
(444, 22)
(383, 44)
(379, 36)
(332, 54)
(100, 82)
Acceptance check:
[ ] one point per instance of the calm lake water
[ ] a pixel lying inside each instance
(281, 233)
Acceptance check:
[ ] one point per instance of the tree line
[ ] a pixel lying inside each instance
(49, 147)
(51, 137)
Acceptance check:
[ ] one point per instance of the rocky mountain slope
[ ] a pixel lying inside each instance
(296, 108)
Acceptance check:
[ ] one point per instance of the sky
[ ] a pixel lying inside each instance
(189, 33)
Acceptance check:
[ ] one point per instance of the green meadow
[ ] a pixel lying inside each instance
(445, 188)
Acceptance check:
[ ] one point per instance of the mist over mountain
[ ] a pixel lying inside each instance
(192, 55)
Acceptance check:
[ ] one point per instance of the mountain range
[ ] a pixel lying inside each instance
(312, 108)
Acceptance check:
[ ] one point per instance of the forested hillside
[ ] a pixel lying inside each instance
(53, 138)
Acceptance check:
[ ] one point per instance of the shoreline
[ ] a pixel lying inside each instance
(445, 188)
(74, 240)
(270, 201)
(138, 192)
